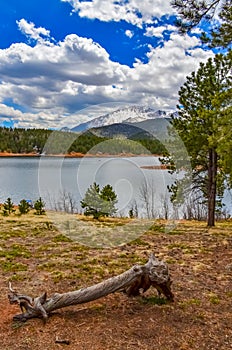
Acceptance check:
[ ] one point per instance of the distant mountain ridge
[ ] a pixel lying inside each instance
(128, 115)
(116, 130)
(152, 128)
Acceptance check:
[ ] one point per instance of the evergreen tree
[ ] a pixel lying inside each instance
(225, 144)
(192, 12)
(24, 206)
(39, 207)
(99, 202)
(8, 207)
(204, 124)
(109, 200)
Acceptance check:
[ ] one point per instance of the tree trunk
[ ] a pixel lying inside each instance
(132, 282)
(212, 186)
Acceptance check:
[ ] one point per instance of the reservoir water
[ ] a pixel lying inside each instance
(58, 179)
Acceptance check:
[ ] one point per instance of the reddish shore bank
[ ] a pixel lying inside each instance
(7, 154)
(81, 155)
(156, 167)
(75, 155)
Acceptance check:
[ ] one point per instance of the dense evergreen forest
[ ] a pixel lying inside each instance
(17, 140)
(37, 141)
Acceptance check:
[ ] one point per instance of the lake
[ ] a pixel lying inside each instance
(61, 181)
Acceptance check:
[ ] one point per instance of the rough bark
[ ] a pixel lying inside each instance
(132, 282)
(212, 187)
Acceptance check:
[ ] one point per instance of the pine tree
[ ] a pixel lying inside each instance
(204, 119)
(8, 207)
(225, 143)
(193, 12)
(109, 200)
(99, 202)
(24, 206)
(39, 207)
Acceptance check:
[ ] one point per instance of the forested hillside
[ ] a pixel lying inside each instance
(37, 141)
(15, 140)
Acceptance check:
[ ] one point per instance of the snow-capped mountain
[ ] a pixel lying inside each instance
(132, 114)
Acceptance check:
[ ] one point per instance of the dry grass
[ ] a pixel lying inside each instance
(35, 256)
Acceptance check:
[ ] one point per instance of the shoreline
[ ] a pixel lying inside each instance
(87, 155)
(76, 155)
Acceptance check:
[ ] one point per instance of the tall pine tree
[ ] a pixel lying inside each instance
(204, 125)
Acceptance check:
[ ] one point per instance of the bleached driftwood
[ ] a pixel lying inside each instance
(132, 282)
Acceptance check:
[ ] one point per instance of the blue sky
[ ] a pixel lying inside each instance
(63, 62)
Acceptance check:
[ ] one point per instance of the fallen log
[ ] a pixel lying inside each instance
(132, 282)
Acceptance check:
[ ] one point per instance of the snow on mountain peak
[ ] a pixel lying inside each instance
(131, 114)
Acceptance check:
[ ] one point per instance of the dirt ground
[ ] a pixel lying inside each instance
(35, 257)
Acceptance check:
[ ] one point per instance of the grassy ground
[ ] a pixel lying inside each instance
(36, 257)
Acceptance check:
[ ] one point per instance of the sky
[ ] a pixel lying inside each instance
(64, 62)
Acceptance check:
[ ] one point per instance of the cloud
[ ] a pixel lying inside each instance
(29, 29)
(53, 81)
(159, 31)
(136, 12)
(159, 80)
(196, 30)
(41, 119)
(57, 79)
(129, 33)
(76, 59)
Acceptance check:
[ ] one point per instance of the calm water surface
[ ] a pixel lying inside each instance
(51, 177)
(48, 177)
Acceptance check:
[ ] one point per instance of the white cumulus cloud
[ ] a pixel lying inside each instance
(29, 29)
(136, 12)
(158, 31)
(53, 81)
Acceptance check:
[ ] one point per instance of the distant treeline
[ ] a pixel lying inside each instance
(38, 141)
(17, 140)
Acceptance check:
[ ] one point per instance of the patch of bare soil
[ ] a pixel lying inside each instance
(35, 257)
